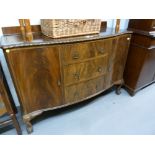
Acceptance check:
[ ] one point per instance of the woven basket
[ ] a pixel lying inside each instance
(57, 28)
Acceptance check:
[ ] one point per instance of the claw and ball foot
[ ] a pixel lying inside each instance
(27, 119)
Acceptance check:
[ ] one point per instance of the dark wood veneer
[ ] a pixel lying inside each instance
(49, 76)
(140, 66)
(142, 24)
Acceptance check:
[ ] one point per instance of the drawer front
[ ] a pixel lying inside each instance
(81, 91)
(141, 40)
(103, 46)
(72, 53)
(83, 71)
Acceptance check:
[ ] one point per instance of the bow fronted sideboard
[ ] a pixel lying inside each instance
(54, 73)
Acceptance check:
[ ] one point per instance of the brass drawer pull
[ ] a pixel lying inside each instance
(75, 56)
(99, 69)
(76, 76)
(101, 50)
(76, 94)
(59, 83)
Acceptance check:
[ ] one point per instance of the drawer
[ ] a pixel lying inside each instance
(81, 51)
(83, 71)
(74, 52)
(83, 90)
(103, 46)
(144, 41)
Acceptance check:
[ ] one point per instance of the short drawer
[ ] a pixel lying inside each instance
(83, 90)
(81, 51)
(103, 46)
(83, 71)
(75, 52)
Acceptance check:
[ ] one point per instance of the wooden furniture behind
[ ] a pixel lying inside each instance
(145, 25)
(140, 66)
(6, 105)
(53, 73)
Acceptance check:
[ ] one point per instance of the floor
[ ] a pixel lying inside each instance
(107, 114)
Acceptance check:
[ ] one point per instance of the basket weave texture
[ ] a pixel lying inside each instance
(57, 28)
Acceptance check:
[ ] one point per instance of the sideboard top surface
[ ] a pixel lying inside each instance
(14, 41)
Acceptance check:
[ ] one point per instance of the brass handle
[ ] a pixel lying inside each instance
(101, 50)
(76, 94)
(76, 76)
(59, 83)
(75, 56)
(99, 69)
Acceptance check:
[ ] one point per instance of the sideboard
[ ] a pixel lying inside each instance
(54, 73)
(140, 66)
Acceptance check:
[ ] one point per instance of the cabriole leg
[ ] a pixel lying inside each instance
(28, 124)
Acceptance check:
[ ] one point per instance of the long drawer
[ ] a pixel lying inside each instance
(83, 71)
(83, 90)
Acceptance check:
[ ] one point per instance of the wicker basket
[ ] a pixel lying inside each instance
(57, 28)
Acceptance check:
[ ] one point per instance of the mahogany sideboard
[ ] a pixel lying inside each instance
(140, 67)
(7, 107)
(54, 73)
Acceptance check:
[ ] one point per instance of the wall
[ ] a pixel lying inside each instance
(14, 22)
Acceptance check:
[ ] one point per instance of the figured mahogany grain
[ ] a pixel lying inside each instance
(83, 71)
(83, 90)
(36, 72)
